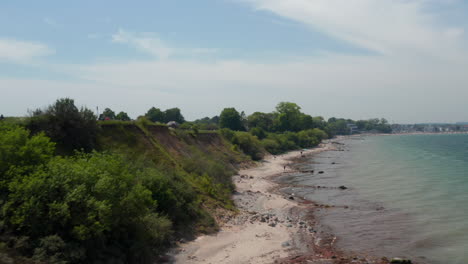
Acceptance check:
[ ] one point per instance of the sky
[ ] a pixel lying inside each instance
(405, 60)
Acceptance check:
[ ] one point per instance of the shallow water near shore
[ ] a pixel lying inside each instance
(407, 196)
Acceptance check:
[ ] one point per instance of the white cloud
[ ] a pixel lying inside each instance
(51, 22)
(149, 43)
(21, 51)
(390, 27)
(419, 75)
(146, 42)
(332, 85)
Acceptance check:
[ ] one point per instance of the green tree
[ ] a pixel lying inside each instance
(231, 119)
(71, 128)
(173, 114)
(87, 206)
(337, 127)
(249, 144)
(156, 115)
(122, 116)
(289, 117)
(108, 114)
(261, 120)
(21, 153)
(258, 132)
(306, 122)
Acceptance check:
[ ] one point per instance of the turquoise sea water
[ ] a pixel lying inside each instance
(407, 196)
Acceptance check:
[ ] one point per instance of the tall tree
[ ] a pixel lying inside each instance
(108, 114)
(122, 116)
(289, 116)
(261, 120)
(155, 115)
(174, 114)
(71, 128)
(231, 119)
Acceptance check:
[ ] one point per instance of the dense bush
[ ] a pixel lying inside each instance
(71, 128)
(94, 204)
(258, 132)
(173, 114)
(87, 208)
(277, 143)
(20, 153)
(249, 144)
(272, 146)
(245, 141)
(231, 119)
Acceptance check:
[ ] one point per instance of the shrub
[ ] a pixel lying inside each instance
(20, 153)
(249, 144)
(71, 128)
(258, 132)
(272, 146)
(94, 203)
(227, 134)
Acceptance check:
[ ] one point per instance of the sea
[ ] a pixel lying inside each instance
(406, 195)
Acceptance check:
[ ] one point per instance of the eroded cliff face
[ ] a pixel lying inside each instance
(206, 160)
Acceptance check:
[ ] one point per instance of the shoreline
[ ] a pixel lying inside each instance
(411, 133)
(271, 227)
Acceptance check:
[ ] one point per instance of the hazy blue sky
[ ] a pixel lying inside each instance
(405, 60)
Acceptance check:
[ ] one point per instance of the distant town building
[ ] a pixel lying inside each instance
(353, 129)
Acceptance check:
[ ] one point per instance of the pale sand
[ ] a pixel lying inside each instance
(245, 238)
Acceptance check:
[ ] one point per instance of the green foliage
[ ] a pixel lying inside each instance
(277, 143)
(108, 114)
(246, 142)
(379, 125)
(261, 120)
(155, 115)
(122, 116)
(207, 123)
(172, 114)
(231, 119)
(289, 117)
(337, 127)
(20, 153)
(71, 128)
(272, 146)
(227, 134)
(94, 202)
(258, 132)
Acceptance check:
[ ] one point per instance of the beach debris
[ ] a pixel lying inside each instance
(401, 261)
(342, 187)
(321, 172)
(286, 244)
(291, 197)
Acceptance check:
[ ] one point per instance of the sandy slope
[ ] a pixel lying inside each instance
(263, 231)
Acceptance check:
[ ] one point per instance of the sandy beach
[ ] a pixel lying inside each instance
(270, 227)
